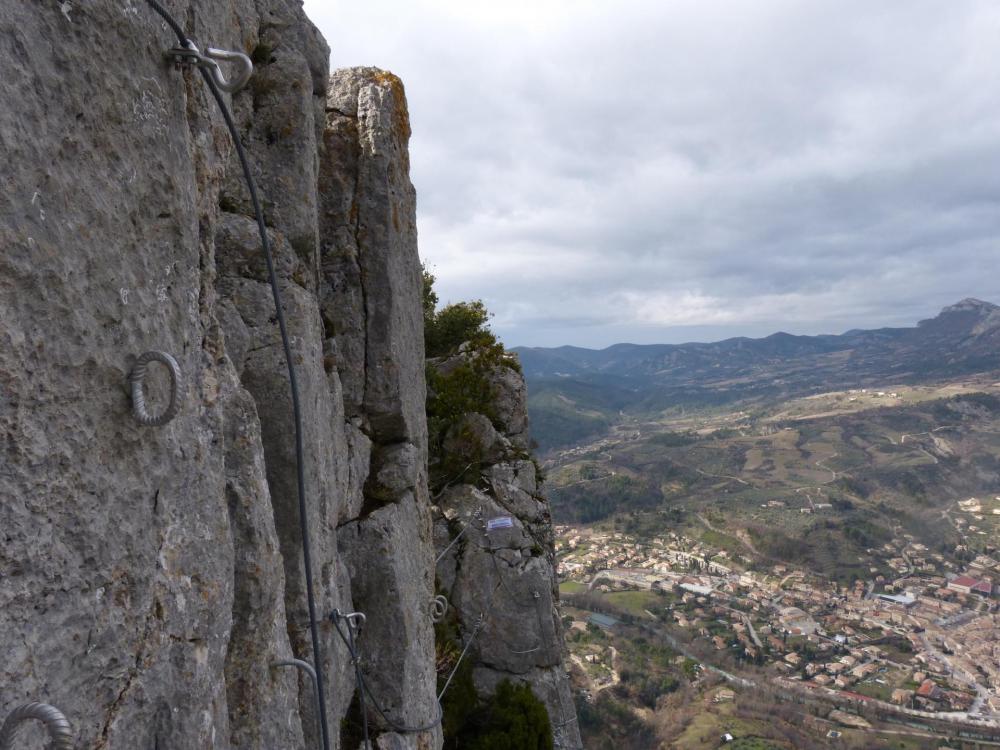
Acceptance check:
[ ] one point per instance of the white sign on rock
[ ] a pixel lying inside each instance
(500, 522)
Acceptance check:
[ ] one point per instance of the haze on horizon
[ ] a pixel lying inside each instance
(690, 170)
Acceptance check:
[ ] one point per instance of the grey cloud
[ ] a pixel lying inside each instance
(659, 170)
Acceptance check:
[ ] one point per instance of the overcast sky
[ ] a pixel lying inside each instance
(671, 171)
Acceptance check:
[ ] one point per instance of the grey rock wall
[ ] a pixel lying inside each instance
(150, 576)
(502, 582)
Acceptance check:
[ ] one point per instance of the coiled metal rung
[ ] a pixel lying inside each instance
(439, 607)
(59, 728)
(139, 398)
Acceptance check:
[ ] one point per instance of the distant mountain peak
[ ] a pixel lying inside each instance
(963, 318)
(970, 304)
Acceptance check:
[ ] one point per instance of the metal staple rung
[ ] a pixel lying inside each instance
(139, 398)
(529, 651)
(307, 668)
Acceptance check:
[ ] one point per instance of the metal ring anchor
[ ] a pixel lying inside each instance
(138, 397)
(191, 55)
(58, 727)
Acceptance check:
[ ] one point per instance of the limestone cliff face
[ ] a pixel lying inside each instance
(500, 577)
(149, 577)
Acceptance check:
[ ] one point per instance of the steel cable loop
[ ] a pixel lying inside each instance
(292, 379)
(137, 378)
(59, 728)
(529, 651)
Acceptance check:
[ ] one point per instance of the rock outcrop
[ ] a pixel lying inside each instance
(494, 537)
(150, 577)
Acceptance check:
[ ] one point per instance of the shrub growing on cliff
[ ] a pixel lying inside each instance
(513, 718)
(510, 718)
(456, 324)
(463, 386)
(445, 330)
(465, 357)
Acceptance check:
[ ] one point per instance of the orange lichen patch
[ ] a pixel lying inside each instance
(402, 118)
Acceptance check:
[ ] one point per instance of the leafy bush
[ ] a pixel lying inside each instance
(455, 324)
(513, 718)
(464, 387)
(461, 383)
(606, 723)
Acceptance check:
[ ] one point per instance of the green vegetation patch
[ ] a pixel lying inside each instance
(465, 386)
(634, 602)
(513, 718)
(601, 498)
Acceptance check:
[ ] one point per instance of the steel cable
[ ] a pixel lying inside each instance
(489, 549)
(363, 685)
(453, 543)
(292, 379)
(360, 679)
(480, 624)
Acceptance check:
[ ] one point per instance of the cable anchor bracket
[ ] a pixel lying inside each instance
(355, 620)
(191, 56)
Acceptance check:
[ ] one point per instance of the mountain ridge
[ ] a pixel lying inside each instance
(983, 316)
(574, 390)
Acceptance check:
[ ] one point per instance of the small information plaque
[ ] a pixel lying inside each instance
(500, 522)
